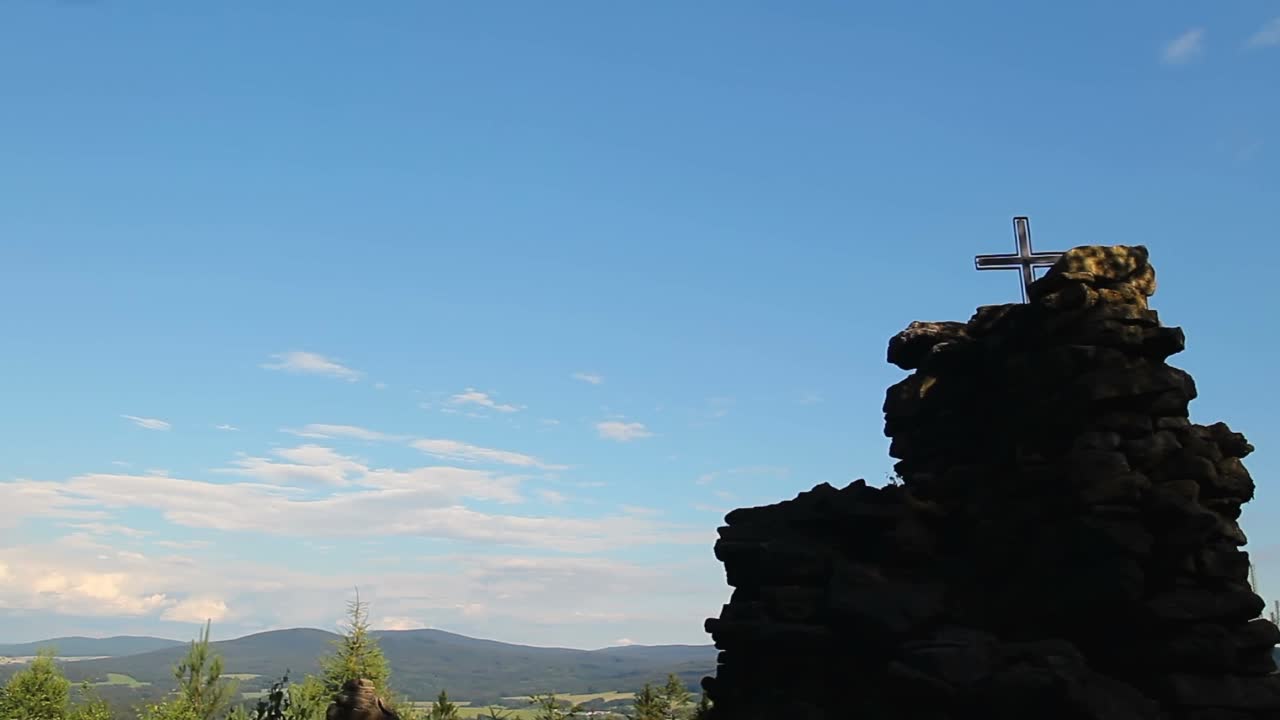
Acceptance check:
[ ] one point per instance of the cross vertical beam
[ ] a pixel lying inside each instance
(1025, 259)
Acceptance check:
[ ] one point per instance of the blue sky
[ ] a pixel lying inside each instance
(493, 311)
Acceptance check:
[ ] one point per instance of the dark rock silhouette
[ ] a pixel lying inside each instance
(359, 701)
(1064, 542)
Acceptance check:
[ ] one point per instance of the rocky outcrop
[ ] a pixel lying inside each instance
(1064, 542)
(359, 701)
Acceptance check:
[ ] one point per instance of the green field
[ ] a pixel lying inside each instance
(520, 714)
(119, 679)
(587, 697)
(467, 712)
(426, 704)
(606, 697)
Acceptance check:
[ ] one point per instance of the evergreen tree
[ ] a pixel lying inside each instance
(37, 692)
(442, 709)
(703, 710)
(675, 696)
(648, 705)
(275, 706)
(308, 700)
(201, 687)
(547, 707)
(175, 709)
(357, 656)
(90, 706)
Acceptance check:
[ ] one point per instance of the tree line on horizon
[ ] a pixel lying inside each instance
(41, 692)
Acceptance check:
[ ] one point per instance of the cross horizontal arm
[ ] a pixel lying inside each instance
(1001, 262)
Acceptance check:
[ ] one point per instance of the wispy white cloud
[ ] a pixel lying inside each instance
(622, 431)
(25, 499)
(308, 469)
(380, 386)
(471, 396)
(589, 377)
(1241, 148)
(445, 449)
(309, 363)
(771, 471)
(455, 411)
(1267, 36)
(1247, 152)
(182, 544)
(712, 410)
(98, 528)
(465, 452)
(553, 497)
(424, 503)
(226, 428)
(148, 423)
(718, 407)
(328, 432)
(1184, 48)
(307, 463)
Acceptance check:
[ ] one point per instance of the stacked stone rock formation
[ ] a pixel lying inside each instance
(359, 701)
(1064, 542)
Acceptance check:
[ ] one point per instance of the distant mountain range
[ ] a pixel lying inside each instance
(91, 647)
(423, 662)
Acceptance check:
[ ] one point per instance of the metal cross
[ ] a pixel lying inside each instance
(1025, 259)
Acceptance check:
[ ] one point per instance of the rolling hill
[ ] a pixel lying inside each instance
(91, 647)
(423, 662)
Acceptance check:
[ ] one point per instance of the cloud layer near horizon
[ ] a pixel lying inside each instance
(476, 539)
